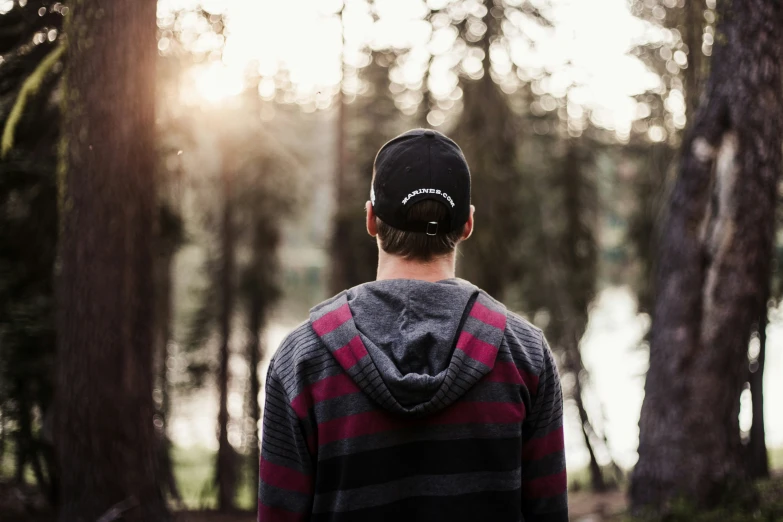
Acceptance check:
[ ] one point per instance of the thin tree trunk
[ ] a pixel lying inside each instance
(573, 256)
(226, 468)
(2, 436)
(105, 436)
(693, 33)
(254, 355)
(163, 336)
(341, 249)
(20, 451)
(714, 265)
(758, 460)
(597, 483)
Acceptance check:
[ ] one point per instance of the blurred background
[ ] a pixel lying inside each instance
(571, 114)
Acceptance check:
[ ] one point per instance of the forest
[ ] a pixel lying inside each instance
(181, 180)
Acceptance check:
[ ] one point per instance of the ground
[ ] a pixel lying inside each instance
(585, 507)
(195, 473)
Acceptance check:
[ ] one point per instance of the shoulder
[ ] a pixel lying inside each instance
(327, 306)
(299, 347)
(526, 342)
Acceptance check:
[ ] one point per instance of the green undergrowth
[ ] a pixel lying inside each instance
(764, 503)
(194, 470)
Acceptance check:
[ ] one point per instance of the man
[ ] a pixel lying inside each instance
(416, 397)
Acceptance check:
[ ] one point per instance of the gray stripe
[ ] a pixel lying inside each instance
(327, 306)
(416, 486)
(494, 392)
(284, 499)
(341, 335)
(343, 406)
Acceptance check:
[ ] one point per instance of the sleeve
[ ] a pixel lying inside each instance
(544, 483)
(285, 486)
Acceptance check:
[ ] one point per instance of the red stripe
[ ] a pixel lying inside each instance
(327, 388)
(270, 514)
(490, 317)
(504, 372)
(477, 349)
(284, 478)
(332, 320)
(531, 381)
(541, 447)
(481, 412)
(356, 425)
(379, 421)
(548, 486)
(351, 353)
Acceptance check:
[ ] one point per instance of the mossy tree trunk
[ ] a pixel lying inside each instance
(105, 437)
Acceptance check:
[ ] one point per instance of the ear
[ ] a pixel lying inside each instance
(372, 226)
(468, 230)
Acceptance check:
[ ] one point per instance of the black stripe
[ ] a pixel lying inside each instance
(431, 457)
(495, 506)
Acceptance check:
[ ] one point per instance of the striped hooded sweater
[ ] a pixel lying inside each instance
(412, 401)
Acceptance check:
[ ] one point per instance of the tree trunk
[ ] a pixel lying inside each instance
(597, 483)
(226, 468)
(341, 244)
(254, 355)
(260, 290)
(105, 435)
(714, 267)
(2, 436)
(758, 460)
(576, 289)
(693, 31)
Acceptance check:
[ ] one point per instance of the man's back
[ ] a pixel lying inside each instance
(410, 400)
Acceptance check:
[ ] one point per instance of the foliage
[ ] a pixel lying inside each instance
(265, 192)
(29, 77)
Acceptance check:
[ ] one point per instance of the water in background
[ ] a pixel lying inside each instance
(612, 355)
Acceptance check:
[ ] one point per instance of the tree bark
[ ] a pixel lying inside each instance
(714, 267)
(105, 435)
(226, 468)
(758, 460)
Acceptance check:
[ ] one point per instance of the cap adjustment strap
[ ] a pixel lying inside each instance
(432, 228)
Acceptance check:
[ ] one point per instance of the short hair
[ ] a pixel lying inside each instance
(418, 246)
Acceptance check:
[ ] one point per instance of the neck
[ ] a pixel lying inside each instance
(395, 267)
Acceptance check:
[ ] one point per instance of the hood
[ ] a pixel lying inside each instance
(412, 346)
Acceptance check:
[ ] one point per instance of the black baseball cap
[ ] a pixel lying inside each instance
(417, 165)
